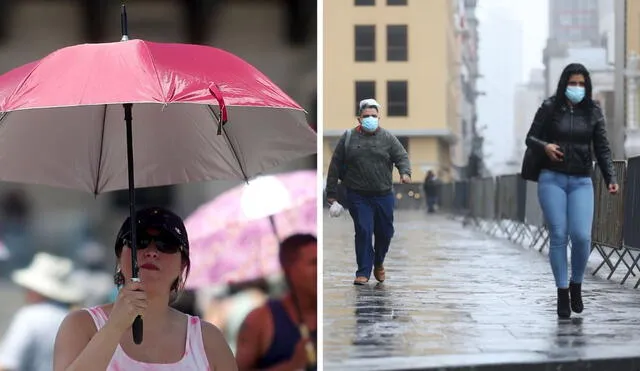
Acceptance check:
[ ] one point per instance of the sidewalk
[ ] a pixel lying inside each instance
(455, 298)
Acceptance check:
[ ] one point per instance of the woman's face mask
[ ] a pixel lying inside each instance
(575, 94)
(575, 88)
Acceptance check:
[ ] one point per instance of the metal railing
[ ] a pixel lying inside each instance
(507, 206)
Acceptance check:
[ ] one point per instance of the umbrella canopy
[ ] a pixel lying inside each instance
(62, 120)
(232, 239)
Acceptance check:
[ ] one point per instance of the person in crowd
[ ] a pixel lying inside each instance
(430, 188)
(15, 228)
(49, 293)
(564, 129)
(281, 335)
(364, 164)
(100, 337)
(90, 273)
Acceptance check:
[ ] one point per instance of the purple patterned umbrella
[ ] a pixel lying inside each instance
(232, 239)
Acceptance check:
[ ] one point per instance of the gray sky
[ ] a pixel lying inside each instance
(502, 73)
(533, 15)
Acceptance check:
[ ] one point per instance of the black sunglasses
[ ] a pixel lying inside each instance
(165, 243)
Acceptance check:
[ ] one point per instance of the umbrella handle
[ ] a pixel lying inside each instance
(136, 328)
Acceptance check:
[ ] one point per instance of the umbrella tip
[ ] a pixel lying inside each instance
(123, 22)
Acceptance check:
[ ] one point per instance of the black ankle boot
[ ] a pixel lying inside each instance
(564, 306)
(576, 297)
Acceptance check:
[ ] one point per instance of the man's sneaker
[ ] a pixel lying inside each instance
(378, 273)
(360, 281)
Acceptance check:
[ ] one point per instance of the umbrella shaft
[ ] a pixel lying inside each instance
(128, 118)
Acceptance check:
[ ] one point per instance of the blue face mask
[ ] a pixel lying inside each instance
(575, 94)
(369, 124)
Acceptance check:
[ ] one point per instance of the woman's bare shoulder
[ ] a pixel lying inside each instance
(81, 319)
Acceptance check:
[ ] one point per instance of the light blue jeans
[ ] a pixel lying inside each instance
(567, 205)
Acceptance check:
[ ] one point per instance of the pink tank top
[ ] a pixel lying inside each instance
(194, 359)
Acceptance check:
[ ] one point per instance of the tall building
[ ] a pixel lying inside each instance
(470, 149)
(407, 55)
(574, 22)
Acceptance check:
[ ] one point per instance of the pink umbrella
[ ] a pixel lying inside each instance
(61, 118)
(231, 238)
(201, 114)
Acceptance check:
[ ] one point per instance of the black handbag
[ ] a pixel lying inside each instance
(532, 164)
(534, 159)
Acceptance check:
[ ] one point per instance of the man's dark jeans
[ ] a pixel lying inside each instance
(372, 216)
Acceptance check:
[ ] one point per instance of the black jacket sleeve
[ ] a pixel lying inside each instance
(536, 138)
(602, 149)
(337, 161)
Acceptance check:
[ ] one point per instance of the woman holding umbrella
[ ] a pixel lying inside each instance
(99, 338)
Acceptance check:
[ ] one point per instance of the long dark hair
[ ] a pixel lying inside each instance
(569, 70)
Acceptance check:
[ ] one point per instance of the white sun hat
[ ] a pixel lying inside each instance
(49, 276)
(370, 102)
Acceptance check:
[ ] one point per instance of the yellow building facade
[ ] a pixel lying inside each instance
(405, 54)
(633, 26)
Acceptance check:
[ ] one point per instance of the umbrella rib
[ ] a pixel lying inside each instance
(155, 69)
(24, 81)
(104, 123)
(233, 150)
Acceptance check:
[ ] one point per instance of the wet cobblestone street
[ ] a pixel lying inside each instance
(456, 297)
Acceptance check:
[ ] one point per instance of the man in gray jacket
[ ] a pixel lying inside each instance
(363, 160)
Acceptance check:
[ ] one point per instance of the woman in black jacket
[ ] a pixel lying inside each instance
(565, 128)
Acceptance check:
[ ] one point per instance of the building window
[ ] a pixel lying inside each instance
(364, 90)
(365, 2)
(365, 38)
(396, 2)
(397, 43)
(397, 102)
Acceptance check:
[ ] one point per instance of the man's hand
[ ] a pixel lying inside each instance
(613, 188)
(405, 179)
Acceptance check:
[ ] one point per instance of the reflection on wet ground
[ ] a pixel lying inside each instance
(457, 295)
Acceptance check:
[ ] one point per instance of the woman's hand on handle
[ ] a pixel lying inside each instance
(130, 303)
(613, 188)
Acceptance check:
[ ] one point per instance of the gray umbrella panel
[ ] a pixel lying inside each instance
(84, 147)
